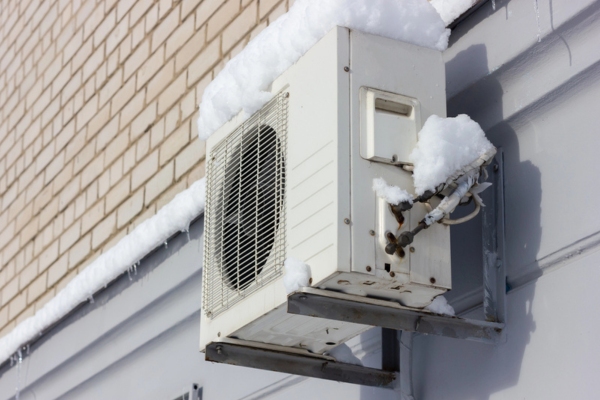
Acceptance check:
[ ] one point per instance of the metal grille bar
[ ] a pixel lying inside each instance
(244, 242)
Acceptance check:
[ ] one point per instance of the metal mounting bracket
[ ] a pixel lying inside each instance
(295, 361)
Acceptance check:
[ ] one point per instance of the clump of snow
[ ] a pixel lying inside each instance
(450, 10)
(172, 218)
(296, 274)
(440, 305)
(391, 194)
(244, 82)
(343, 354)
(446, 149)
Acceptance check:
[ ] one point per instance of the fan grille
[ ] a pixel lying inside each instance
(244, 244)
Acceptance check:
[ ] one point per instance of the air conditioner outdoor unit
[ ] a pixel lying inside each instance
(295, 180)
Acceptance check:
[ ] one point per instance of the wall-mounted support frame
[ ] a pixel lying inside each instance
(389, 315)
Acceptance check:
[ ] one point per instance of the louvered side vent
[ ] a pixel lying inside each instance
(244, 245)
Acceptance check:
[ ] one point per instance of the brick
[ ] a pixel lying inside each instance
(58, 270)
(123, 6)
(222, 17)
(132, 109)
(53, 169)
(167, 196)
(36, 289)
(206, 10)
(129, 159)
(164, 7)
(17, 305)
(197, 173)
(188, 104)
(143, 122)
(69, 237)
(164, 29)
(265, 6)
(26, 234)
(141, 6)
(144, 170)
(136, 60)
(89, 110)
(188, 6)
(159, 183)
(107, 25)
(130, 208)
(84, 157)
(122, 97)
(59, 83)
(93, 21)
(171, 94)
(104, 230)
(190, 49)
(117, 194)
(83, 53)
(48, 256)
(93, 62)
(117, 35)
(174, 143)
(151, 18)
(178, 38)
(142, 147)
(92, 217)
(277, 12)
(10, 290)
(52, 71)
(160, 80)
(68, 193)
(189, 157)
(49, 212)
(103, 185)
(98, 121)
(137, 34)
(80, 251)
(116, 147)
(70, 88)
(107, 133)
(111, 87)
(239, 27)
(28, 274)
(204, 62)
(92, 171)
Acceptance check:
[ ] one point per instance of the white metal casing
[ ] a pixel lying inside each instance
(331, 209)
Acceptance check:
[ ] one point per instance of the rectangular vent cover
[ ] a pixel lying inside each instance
(244, 243)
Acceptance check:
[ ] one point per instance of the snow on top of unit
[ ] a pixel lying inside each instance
(173, 217)
(450, 10)
(391, 194)
(446, 148)
(440, 305)
(243, 85)
(296, 274)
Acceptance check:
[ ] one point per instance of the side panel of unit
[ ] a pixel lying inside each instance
(417, 73)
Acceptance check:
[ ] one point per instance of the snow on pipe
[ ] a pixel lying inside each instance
(174, 217)
(243, 85)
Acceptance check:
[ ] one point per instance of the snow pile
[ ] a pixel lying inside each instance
(343, 354)
(446, 149)
(440, 305)
(450, 10)
(391, 194)
(244, 82)
(296, 275)
(172, 218)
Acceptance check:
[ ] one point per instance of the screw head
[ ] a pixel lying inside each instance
(347, 221)
(372, 232)
(392, 274)
(286, 94)
(347, 69)
(394, 158)
(412, 249)
(368, 268)
(219, 349)
(496, 167)
(432, 280)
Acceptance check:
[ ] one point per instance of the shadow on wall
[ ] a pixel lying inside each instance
(469, 370)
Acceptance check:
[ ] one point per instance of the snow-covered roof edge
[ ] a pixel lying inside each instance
(173, 217)
(244, 82)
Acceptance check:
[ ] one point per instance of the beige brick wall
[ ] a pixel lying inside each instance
(97, 124)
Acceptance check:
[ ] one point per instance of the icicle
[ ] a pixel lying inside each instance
(166, 245)
(494, 5)
(129, 273)
(91, 299)
(537, 18)
(135, 268)
(19, 362)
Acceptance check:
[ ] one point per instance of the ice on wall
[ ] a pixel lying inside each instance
(173, 217)
(243, 85)
(440, 305)
(450, 10)
(296, 274)
(446, 148)
(391, 194)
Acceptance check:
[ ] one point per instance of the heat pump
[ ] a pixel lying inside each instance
(295, 180)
